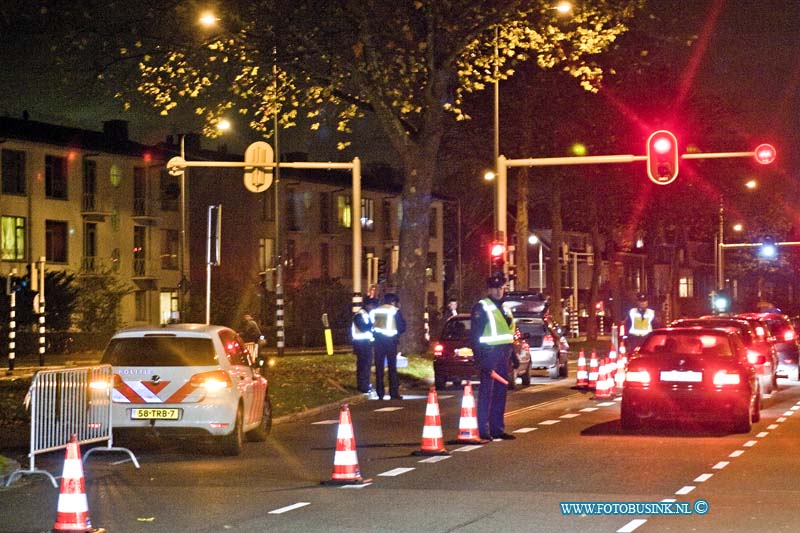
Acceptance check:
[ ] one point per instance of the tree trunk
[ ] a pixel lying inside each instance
(594, 289)
(555, 248)
(521, 229)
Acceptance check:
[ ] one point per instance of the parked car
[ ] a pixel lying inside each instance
(549, 349)
(697, 373)
(453, 358)
(756, 345)
(786, 342)
(190, 380)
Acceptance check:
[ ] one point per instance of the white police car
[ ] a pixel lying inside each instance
(188, 380)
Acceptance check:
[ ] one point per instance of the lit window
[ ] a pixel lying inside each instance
(344, 212)
(12, 238)
(686, 287)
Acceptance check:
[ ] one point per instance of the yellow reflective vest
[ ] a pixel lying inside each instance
(497, 331)
(641, 324)
(383, 320)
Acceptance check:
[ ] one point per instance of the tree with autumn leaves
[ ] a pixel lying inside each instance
(408, 63)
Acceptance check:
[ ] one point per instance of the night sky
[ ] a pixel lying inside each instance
(751, 60)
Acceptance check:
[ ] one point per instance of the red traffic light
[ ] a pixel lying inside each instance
(662, 157)
(497, 249)
(765, 154)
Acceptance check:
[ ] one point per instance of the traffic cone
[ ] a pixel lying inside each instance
(432, 440)
(583, 374)
(601, 389)
(345, 460)
(619, 379)
(73, 507)
(468, 424)
(593, 370)
(612, 361)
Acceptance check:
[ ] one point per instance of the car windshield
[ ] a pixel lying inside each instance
(735, 327)
(456, 330)
(533, 327)
(160, 351)
(689, 343)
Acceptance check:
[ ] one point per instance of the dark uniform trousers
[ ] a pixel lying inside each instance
(363, 350)
(492, 393)
(386, 350)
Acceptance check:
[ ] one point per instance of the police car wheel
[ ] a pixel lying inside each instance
(261, 433)
(232, 443)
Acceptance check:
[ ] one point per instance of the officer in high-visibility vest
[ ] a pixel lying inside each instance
(492, 332)
(361, 331)
(387, 325)
(639, 322)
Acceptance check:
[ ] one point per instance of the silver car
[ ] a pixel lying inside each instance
(548, 349)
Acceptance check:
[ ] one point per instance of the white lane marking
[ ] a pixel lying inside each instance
(631, 526)
(324, 422)
(795, 407)
(444, 396)
(605, 404)
(396, 472)
(737, 453)
(569, 415)
(355, 486)
(387, 409)
(772, 426)
(435, 459)
(289, 508)
(618, 399)
(703, 477)
(720, 465)
(788, 413)
(589, 409)
(762, 434)
(548, 422)
(750, 443)
(781, 419)
(542, 404)
(684, 490)
(524, 430)
(468, 448)
(668, 500)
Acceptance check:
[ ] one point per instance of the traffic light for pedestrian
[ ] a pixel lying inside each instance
(768, 249)
(662, 157)
(497, 252)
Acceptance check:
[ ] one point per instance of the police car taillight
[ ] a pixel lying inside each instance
(788, 336)
(438, 350)
(212, 381)
(637, 376)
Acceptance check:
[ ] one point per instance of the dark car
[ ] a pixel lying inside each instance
(453, 358)
(786, 342)
(756, 345)
(697, 373)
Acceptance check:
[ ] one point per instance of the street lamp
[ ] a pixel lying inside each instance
(533, 239)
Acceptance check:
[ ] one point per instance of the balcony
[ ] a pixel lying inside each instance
(144, 268)
(92, 265)
(91, 209)
(146, 211)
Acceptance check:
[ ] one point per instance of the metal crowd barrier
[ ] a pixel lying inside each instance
(66, 402)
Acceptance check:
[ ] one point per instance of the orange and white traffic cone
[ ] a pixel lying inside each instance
(601, 390)
(73, 507)
(432, 439)
(619, 379)
(345, 460)
(612, 357)
(583, 374)
(593, 370)
(468, 424)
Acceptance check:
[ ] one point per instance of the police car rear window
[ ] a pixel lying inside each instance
(160, 351)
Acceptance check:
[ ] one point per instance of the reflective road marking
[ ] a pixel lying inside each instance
(289, 508)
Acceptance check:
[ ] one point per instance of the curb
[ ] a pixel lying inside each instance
(314, 411)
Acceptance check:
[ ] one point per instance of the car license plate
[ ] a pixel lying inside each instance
(464, 352)
(684, 377)
(156, 414)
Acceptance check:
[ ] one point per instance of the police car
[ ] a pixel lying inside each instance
(188, 380)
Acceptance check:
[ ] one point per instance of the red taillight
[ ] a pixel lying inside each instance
(752, 357)
(637, 376)
(548, 340)
(438, 350)
(760, 331)
(723, 377)
(212, 381)
(788, 336)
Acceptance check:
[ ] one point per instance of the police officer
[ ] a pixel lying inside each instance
(387, 325)
(361, 331)
(492, 331)
(639, 322)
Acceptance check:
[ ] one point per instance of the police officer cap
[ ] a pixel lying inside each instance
(371, 301)
(641, 297)
(495, 281)
(390, 298)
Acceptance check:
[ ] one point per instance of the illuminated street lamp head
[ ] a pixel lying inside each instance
(738, 227)
(208, 19)
(489, 176)
(224, 124)
(564, 7)
(533, 239)
(751, 184)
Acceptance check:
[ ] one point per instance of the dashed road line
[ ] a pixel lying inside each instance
(772, 426)
(569, 415)
(720, 465)
(589, 409)
(543, 404)
(750, 443)
(685, 490)
(387, 409)
(396, 472)
(632, 525)
(289, 508)
(469, 448)
(737, 453)
(356, 486)
(606, 404)
(781, 419)
(435, 459)
(524, 430)
(548, 422)
(788, 413)
(762, 434)
(703, 477)
(324, 422)
(668, 500)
